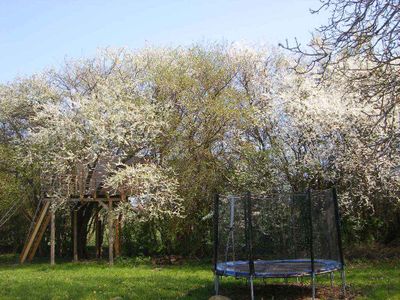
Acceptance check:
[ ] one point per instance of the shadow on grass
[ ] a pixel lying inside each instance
(241, 291)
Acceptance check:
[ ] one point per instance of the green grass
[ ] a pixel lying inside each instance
(375, 279)
(133, 279)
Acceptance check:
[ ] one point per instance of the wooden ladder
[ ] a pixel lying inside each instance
(35, 236)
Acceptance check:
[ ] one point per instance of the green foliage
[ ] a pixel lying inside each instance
(16, 188)
(141, 239)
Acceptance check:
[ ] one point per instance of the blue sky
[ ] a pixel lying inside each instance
(38, 34)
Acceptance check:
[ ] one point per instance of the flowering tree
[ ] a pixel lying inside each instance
(151, 189)
(167, 127)
(306, 134)
(99, 113)
(359, 43)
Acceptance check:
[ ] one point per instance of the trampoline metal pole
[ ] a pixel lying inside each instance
(338, 229)
(250, 242)
(339, 232)
(232, 207)
(311, 243)
(250, 234)
(231, 235)
(313, 285)
(251, 288)
(216, 284)
(216, 233)
(343, 275)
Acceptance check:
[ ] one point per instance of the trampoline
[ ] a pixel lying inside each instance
(277, 236)
(277, 268)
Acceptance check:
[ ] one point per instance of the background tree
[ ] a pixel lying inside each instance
(360, 41)
(359, 47)
(170, 126)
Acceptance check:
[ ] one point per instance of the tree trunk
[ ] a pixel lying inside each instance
(52, 237)
(110, 233)
(84, 215)
(75, 234)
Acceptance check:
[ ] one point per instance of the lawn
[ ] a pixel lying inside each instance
(138, 279)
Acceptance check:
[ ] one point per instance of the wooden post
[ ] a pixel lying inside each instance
(98, 237)
(52, 237)
(75, 237)
(118, 229)
(110, 232)
(117, 242)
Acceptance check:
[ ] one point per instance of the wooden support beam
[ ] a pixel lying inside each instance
(52, 237)
(114, 198)
(99, 239)
(118, 228)
(75, 234)
(39, 237)
(103, 204)
(117, 242)
(36, 228)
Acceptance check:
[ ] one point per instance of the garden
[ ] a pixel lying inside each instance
(248, 171)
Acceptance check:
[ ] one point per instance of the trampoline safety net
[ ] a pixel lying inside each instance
(278, 235)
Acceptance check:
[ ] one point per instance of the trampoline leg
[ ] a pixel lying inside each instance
(251, 288)
(343, 276)
(313, 285)
(332, 278)
(216, 284)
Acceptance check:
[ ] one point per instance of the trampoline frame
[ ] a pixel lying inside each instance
(251, 274)
(228, 268)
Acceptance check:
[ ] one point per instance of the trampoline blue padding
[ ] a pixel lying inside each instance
(277, 268)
